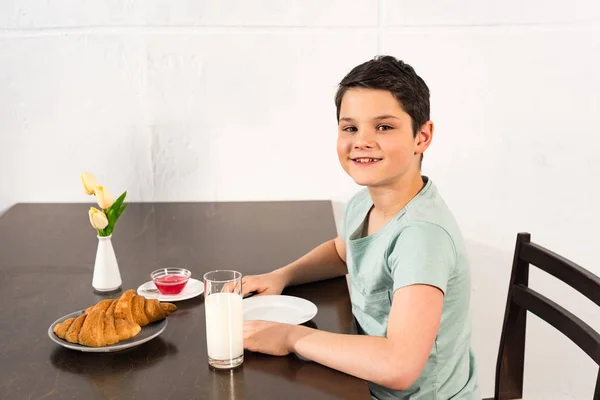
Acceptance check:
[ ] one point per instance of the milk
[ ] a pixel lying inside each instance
(224, 326)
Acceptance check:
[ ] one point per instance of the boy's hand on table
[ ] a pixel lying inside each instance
(273, 338)
(266, 337)
(272, 283)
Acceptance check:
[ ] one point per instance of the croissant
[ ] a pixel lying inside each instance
(113, 320)
(135, 308)
(95, 328)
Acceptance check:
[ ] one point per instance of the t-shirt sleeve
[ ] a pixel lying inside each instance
(422, 254)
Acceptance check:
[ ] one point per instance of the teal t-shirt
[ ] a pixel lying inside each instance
(422, 244)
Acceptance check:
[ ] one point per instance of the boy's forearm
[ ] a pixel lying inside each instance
(323, 262)
(367, 357)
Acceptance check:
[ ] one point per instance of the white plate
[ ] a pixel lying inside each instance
(193, 288)
(147, 333)
(286, 309)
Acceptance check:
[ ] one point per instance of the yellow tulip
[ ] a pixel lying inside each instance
(98, 219)
(89, 182)
(104, 197)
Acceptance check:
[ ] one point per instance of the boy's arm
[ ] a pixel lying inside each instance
(395, 361)
(325, 261)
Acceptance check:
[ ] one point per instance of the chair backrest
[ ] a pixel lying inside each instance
(521, 298)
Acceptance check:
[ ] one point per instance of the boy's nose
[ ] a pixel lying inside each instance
(364, 140)
(363, 145)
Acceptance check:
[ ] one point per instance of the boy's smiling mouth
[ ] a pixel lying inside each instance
(363, 161)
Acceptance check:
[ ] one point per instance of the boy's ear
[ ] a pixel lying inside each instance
(424, 137)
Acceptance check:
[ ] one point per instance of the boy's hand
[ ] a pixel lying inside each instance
(267, 337)
(271, 283)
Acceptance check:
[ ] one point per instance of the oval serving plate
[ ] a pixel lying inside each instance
(147, 333)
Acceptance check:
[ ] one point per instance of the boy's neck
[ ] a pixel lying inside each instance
(389, 200)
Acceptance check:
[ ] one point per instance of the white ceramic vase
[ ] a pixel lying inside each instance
(106, 270)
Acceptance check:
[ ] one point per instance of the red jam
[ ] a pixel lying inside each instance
(170, 284)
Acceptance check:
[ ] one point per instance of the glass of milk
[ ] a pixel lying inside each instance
(224, 318)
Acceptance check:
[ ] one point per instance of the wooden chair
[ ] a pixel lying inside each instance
(511, 355)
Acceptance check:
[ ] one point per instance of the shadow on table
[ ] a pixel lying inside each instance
(313, 376)
(92, 364)
(333, 301)
(327, 292)
(189, 303)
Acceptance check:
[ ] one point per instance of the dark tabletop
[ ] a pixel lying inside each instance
(47, 255)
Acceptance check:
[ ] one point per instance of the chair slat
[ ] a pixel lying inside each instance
(561, 268)
(566, 322)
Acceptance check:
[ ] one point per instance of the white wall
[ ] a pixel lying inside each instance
(233, 100)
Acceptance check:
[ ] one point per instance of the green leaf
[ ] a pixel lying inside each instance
(114, 217)
(117, 204)
(109, 228)
(120, 210)
(108, 212)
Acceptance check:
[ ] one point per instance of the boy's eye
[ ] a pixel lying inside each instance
(384, 128)
(349, 129)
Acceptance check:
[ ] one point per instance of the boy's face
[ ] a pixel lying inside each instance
(375, 142)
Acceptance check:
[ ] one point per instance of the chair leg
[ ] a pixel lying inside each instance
(597, 391)
(510, 368)
(511, 355)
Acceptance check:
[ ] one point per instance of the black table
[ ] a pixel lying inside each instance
(47, 254)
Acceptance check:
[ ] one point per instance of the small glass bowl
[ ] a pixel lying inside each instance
(170, 281)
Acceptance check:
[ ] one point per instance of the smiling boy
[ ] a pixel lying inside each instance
(400, 245)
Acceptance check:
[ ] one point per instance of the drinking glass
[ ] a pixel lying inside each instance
(224, 318)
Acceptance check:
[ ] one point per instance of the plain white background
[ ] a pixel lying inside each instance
(233, 100)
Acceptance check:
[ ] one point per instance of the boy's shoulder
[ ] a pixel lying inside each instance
(428, 209)
(428, 206)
